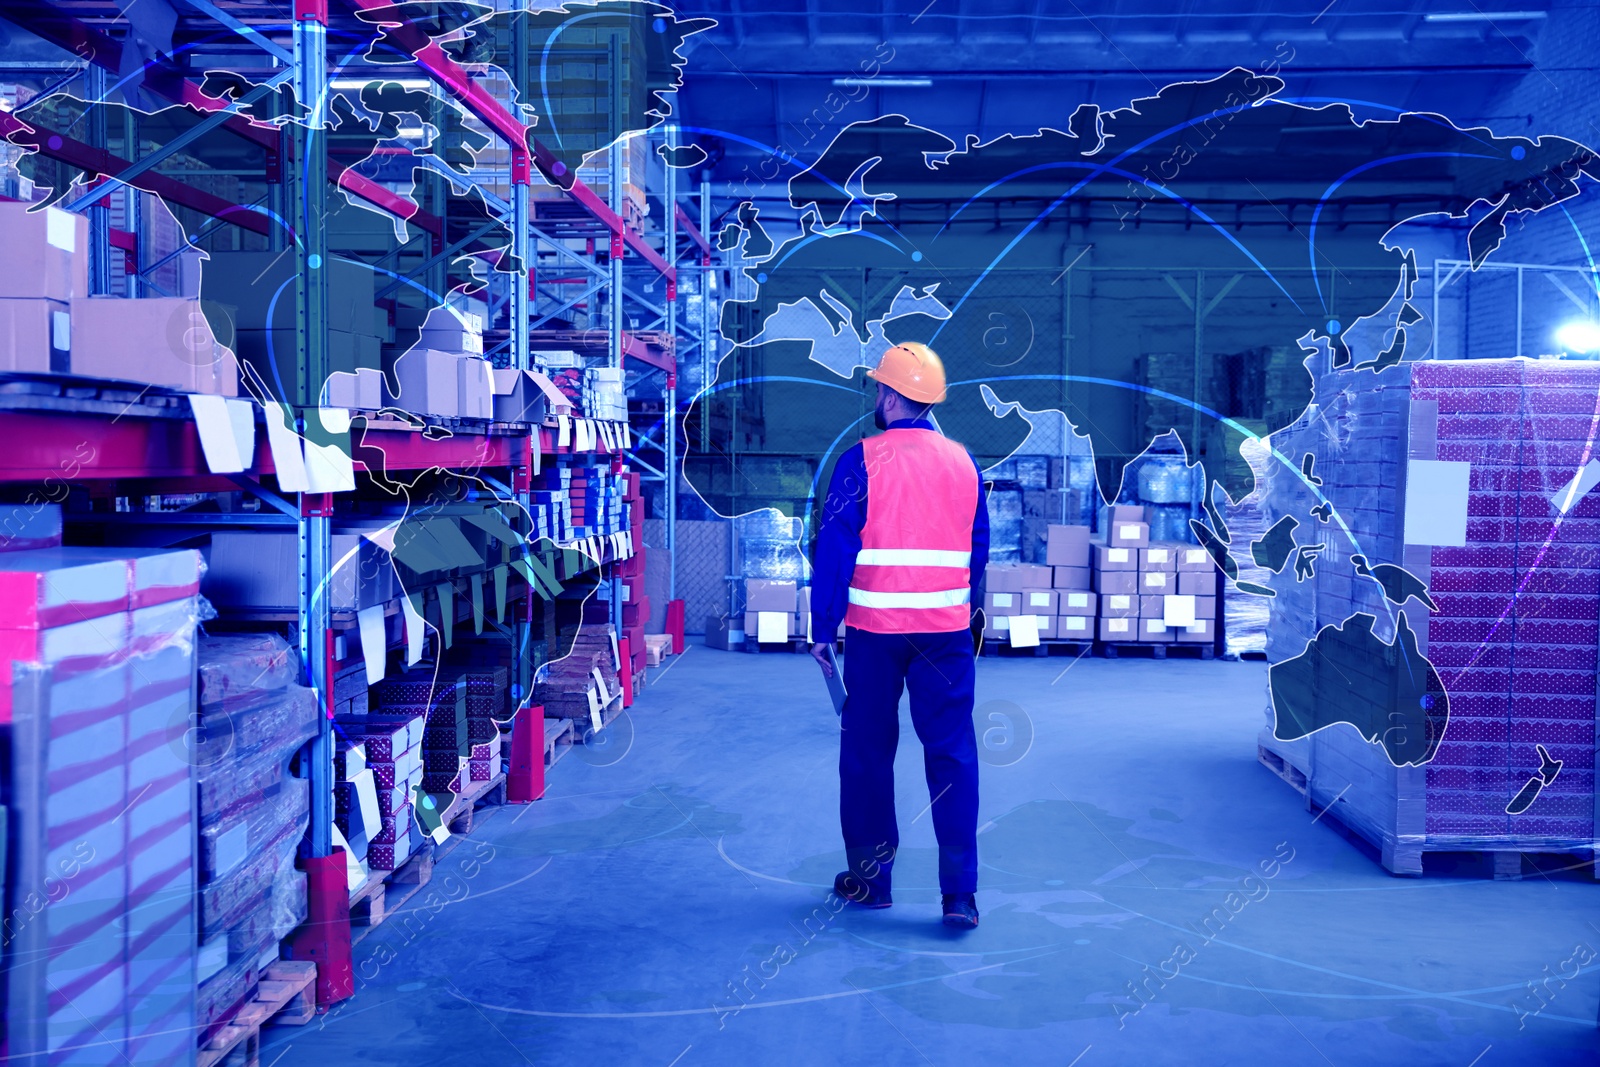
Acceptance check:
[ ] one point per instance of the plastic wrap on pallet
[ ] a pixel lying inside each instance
(1513, 639)
(100, 695)
(1245, 615)
(236, 668)
(243, 755)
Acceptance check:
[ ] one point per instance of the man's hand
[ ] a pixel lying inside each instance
(819, 652)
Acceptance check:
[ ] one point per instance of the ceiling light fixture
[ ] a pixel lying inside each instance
(890, 83)
(1481, 16)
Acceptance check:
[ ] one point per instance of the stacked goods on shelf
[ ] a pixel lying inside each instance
(1019, 604)
(1484, 453)
(582, 684)
(379, 770)
(264, 331)
(774, 611)
(444, 373)
(47, 268)
(603, 395)
(254, 569)
(253, 813)
(98, 698)
(550, 503)
(631, 573)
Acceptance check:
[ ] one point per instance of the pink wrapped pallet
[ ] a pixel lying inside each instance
(1473, 539)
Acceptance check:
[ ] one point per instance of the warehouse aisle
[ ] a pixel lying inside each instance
(665, 904)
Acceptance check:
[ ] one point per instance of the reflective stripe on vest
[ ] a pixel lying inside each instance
(912, 572)
(943, 598)
(911, 557)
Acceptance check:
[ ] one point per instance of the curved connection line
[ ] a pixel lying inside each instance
(1064, 197)
(714, 1010)
(1322, 201)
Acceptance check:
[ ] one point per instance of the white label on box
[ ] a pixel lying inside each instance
(1199, 626)
(1117, 626)
(1177, 610)
(1025, 631)
(61, 231)
(1075, 622)
(1436, 502)
(1159, 555)
(1157, 579)
(1077, 600)
(1122, 602)
(373, 641)
(1128, 531)
(1194, 555)
(1002, 600)
(772, 626)
(61, 331)
(1117, 555)
(563, 431)
(1038, 600)
(1002, 622)
(1155, 626)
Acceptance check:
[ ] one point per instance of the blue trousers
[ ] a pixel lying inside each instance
(938, 670)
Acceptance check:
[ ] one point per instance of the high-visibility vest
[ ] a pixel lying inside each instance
(912, 573)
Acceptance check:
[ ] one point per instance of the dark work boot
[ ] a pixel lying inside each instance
(857, 890)
(961, 910)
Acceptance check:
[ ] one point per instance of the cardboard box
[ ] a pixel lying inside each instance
(361, 390)
(1198, 583)
(1002, 578)
(47, 253)
(447, 329)
(997, 627)
(1071, 578)
(775, 621)
(1129, 534)
(1119, 606)
(1075, 602)
(429, 382)
(1006, 603)
(36, 335)
(1152, 607)
(1203, 631)
(474, 388)
(803, 600)
(1039, 602)
(1119, 629)
(1115, 558)
(1075, 628)
(1190, 558)
(720, 631)
(165, 341)
(1158, 557)
(1120, 513)
(764, 595)
(517, 397)
(1124, 582)
(1158, 582)
(1205, 607)
(1067, 546)
(1155, 630)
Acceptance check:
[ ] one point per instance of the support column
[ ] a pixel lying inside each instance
(95, 84)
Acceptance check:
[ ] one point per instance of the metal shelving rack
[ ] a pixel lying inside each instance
(157, 448)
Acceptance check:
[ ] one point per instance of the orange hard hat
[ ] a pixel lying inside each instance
(913, 370)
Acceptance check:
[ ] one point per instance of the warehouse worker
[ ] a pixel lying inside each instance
(900, 555)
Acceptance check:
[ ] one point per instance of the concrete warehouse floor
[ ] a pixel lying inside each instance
(627, 917)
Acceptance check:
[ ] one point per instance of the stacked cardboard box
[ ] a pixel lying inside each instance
(252, 811)
(1068, 552)
(775, 611)
(603, 395)
(379, 771)
(1512, 563)
(98, 702)
(47, 267)
(582, 683)
(1163, 592)
(1019, 590)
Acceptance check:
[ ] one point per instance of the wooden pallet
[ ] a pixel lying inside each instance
(285, 996)
(1159, 649)
(1046, 647)
(483, 797)
(557, 740)
(382, 896)
(1282, 768)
